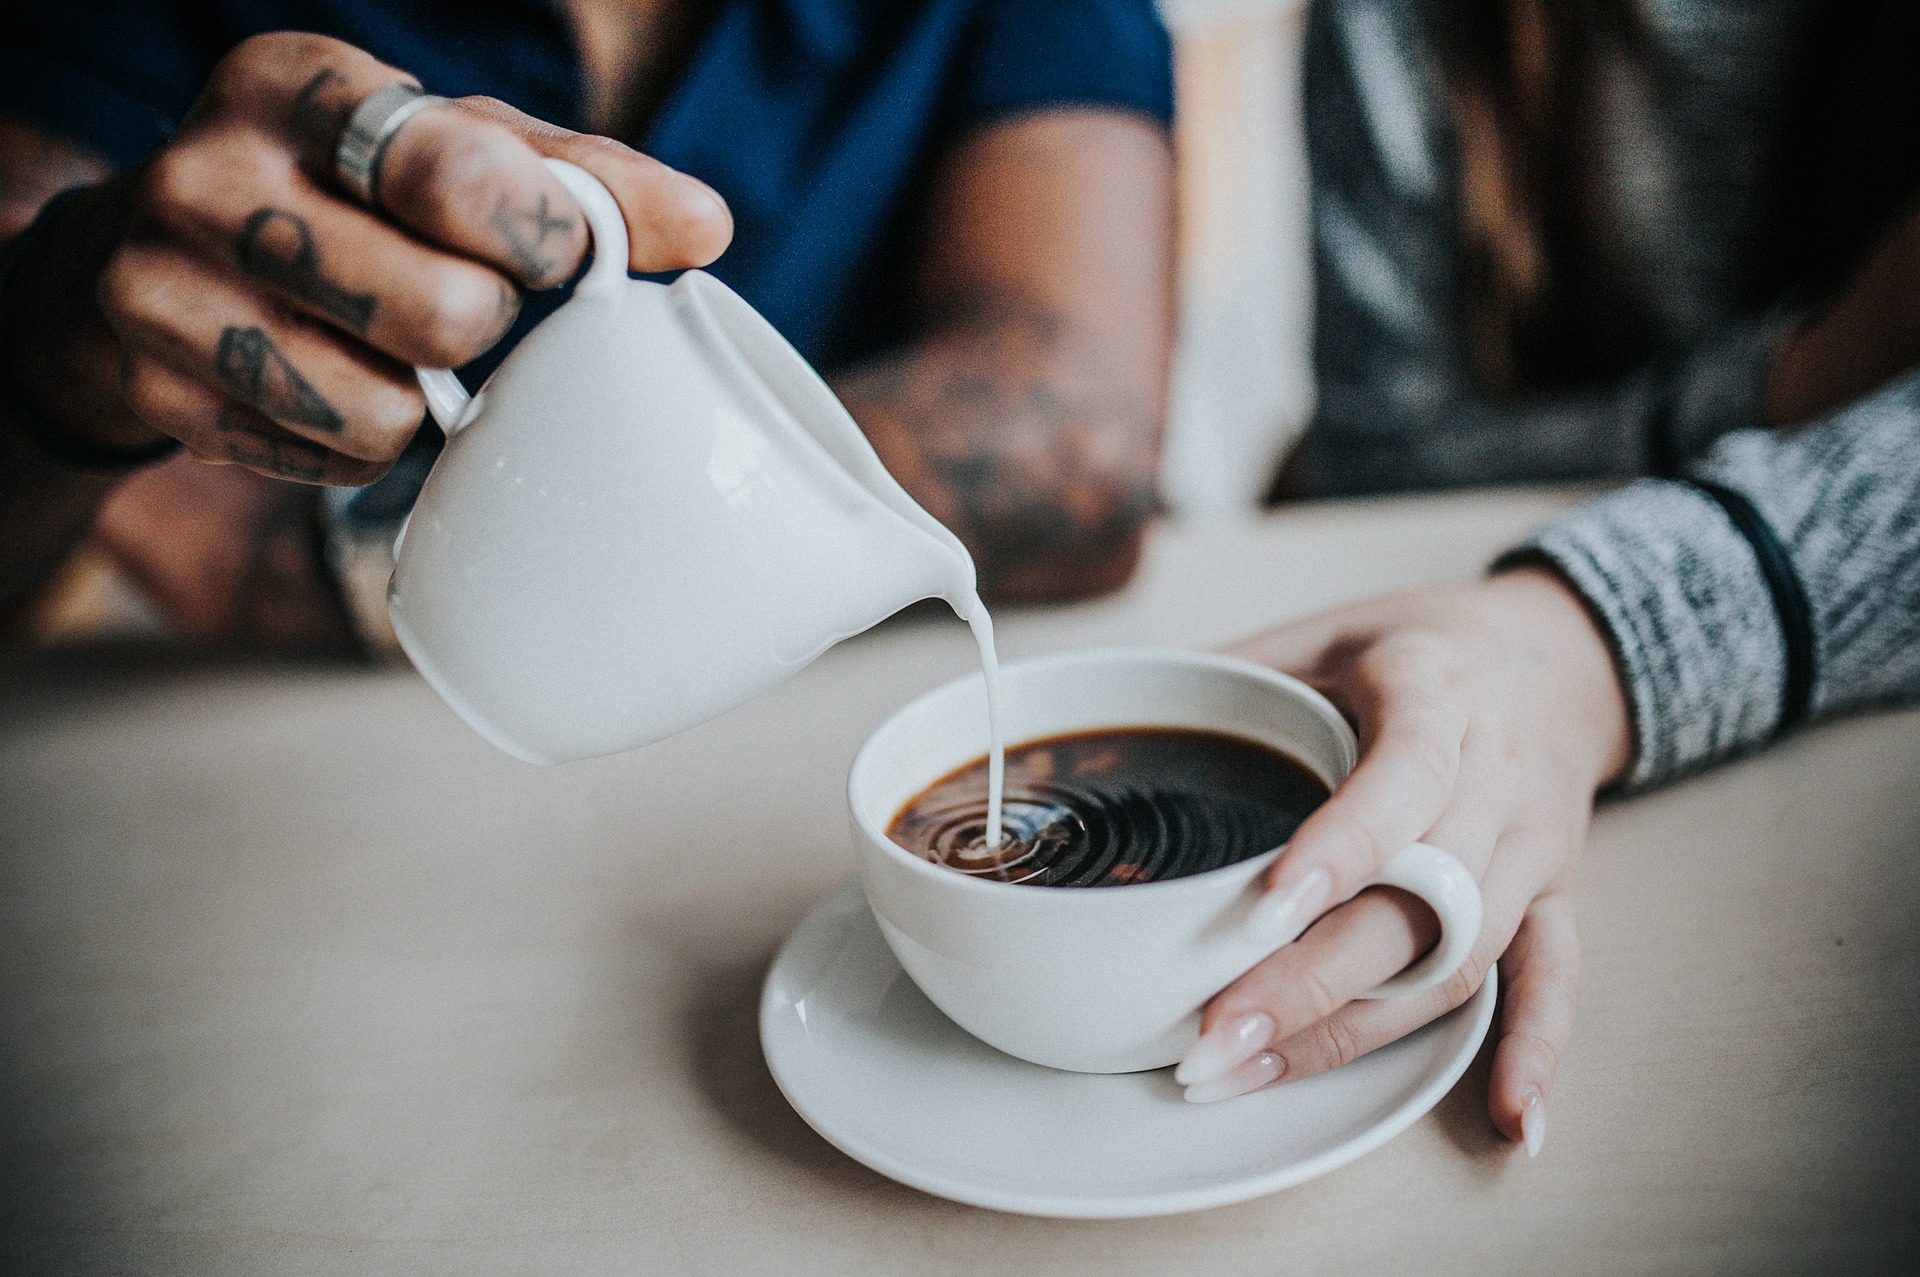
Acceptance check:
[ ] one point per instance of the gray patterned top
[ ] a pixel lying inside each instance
(1680, 590)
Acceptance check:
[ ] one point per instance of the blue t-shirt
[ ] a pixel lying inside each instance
(819, 121)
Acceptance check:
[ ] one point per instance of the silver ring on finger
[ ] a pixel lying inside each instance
(364, 139)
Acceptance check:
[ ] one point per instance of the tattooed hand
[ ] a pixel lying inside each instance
(227, 294)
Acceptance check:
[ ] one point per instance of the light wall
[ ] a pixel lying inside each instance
(1243, 383)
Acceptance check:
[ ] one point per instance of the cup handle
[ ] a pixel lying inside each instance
(448, 400)
(1451, 892)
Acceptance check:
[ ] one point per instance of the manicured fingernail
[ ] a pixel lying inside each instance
(1533, 1122)
(1224, 1047)
(1251, 1076)
(1280, 916)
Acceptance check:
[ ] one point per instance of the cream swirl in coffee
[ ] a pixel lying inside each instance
(1112, 807)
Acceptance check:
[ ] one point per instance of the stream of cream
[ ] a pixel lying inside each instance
(982, 626)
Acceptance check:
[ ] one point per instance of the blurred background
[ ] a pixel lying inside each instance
(1242, 376)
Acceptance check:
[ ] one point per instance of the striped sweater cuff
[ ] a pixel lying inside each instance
(1693, 627)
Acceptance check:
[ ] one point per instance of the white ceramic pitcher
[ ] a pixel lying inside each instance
(654, 510)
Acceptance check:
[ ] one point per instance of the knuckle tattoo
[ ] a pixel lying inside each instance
(252, 367)
(535, 237)
(278, 247)
(263, 450)
(320, 109)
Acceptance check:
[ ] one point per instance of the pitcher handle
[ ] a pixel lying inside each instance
(448, 400)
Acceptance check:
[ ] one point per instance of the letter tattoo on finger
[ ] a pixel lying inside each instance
(525, 233)
(277, 246)
(313, 121)
(251, 365)
(260, 450)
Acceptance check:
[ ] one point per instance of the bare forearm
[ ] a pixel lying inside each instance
(1026, 412)
(1008, 429)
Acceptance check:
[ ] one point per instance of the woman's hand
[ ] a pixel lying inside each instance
(1488, 715)
(229, 294)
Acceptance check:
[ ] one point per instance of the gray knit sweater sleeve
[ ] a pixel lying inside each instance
(1694, 627)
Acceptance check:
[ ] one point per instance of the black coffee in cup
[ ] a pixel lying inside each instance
(1112, 807)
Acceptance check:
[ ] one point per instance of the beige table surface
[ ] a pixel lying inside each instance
(298, 975)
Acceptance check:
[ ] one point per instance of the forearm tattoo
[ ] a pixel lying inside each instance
(252, 367)
(277, 452)
(1046, 459)
(525, 233)
(277, 246)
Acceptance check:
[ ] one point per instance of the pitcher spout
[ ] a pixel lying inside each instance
(908, 563)
(912, 555)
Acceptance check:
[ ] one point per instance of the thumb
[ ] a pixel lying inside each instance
(673, 220)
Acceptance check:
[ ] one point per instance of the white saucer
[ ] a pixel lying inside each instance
(875, 1068)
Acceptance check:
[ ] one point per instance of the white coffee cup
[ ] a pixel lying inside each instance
(1105, 979)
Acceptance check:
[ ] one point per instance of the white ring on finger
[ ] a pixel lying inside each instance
(1453, 893)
